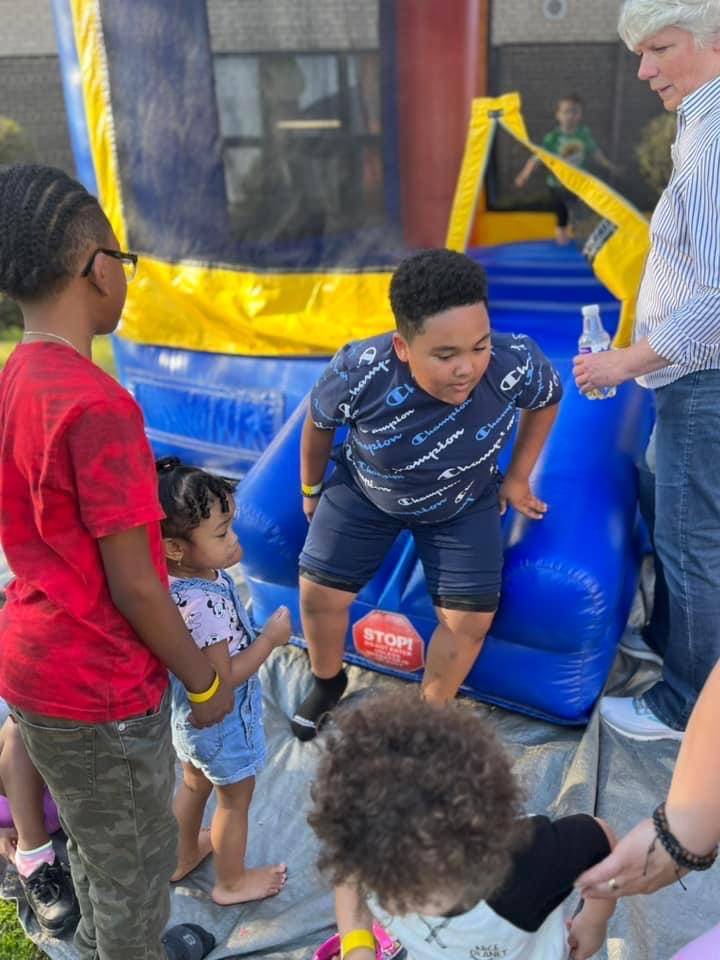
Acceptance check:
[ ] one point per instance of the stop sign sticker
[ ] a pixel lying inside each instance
(389, 639)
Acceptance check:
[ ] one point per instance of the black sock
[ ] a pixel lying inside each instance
(323, 697)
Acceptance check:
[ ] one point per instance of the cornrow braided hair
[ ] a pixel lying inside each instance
(48, 221)
(187, 495)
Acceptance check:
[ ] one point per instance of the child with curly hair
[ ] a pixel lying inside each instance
(419, 822)
(200, 544)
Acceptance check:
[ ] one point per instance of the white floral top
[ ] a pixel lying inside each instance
(213, 611)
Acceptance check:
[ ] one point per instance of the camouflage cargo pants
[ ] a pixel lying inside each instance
(113, 784)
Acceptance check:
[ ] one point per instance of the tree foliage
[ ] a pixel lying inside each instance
(653, 150)
(14, 143)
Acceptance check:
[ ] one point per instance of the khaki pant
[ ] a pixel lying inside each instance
(113, 784)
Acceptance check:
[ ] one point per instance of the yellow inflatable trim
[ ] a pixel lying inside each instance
(619, 261)
(268, 314)
(95, 79)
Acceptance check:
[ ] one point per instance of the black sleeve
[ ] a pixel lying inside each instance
(544, 870)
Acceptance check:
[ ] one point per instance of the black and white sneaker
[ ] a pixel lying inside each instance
(51, 896)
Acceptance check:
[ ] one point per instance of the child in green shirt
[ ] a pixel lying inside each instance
(572, 141)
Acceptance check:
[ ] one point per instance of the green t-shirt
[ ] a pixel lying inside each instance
(574, 148)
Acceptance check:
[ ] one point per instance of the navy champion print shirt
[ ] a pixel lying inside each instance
(412, 455)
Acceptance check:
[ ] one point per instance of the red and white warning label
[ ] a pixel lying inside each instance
(390, 640)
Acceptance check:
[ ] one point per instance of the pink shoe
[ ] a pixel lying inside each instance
(386, 948)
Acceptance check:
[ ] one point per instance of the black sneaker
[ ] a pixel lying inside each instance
(51, 897)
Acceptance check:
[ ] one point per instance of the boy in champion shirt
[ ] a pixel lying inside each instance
(429, 407)
(420, 827)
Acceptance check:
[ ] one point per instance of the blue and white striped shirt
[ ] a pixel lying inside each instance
(679, 300)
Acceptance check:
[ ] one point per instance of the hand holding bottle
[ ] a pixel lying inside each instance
(594, 339)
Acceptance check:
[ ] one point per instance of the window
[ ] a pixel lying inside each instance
(302, 143)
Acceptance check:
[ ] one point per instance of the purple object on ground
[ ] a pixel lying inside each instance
(50, 810)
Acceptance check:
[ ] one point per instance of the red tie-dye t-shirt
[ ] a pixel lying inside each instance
(75, 466)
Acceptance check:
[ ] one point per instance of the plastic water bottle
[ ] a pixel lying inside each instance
(594, 339)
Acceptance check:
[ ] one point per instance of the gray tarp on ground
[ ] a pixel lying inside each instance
(562, 771)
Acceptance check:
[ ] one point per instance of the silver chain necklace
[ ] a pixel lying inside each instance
(54, 336)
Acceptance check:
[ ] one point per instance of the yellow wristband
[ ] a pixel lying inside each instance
(356, 939)
(311, 489)
(206, 694)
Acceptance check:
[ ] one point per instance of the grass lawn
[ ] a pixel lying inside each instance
(102, 351)
(14, 945)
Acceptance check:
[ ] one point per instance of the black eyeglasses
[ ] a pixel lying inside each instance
(128, 261)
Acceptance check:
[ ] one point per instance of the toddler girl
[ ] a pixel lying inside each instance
(199, 545)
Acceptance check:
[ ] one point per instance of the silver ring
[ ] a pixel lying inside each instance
(613, 884)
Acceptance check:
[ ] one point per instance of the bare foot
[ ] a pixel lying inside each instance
(204, 849)
(253, 885)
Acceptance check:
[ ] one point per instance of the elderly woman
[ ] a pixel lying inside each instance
(676, 353)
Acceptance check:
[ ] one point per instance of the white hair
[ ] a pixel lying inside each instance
(640, 19)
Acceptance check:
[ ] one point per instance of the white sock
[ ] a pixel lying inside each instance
(27, 861)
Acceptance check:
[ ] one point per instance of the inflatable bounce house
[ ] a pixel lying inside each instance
(271, 167)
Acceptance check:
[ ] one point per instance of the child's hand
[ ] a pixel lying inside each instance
(277, 629)
(585, 936)
(8, 843)
(517, 493)
(212, 711)
(520, 180)
(310, 505)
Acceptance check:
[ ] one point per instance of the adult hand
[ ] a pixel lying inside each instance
(593, 371)
(310, 505)
(517, 493)
(630, 868)
(213, 710)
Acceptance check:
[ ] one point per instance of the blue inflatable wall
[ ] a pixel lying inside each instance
(568, 580)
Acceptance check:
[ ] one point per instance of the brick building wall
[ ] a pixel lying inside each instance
(30, 84)
(540, 47)
(240, 26)
(554, 21)
(547, 48)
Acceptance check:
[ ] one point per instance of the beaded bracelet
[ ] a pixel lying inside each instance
(681, 855)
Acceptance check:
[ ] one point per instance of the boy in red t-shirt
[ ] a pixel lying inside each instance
(89, 628)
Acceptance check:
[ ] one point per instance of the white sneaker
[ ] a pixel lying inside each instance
(633, 644)
(633, 718)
